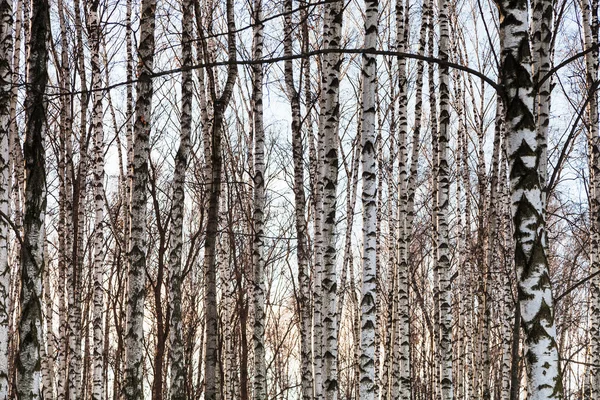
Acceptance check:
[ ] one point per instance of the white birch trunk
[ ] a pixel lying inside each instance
(542, 19)
(214, 172)
(258, 261)
(65, 210)
(329, 119)
(48, 347)
(302, 255)
(443, 176)
(133, 386)
(535, 291)
(6, 27)
(369, 201)
(79, 180)
(98, 131)
(401, 374)
(177, 356)
(28, 382)
(325, 299)
(591, 63)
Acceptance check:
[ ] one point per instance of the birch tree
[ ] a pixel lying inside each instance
(591, 78)
(215, 169)
(369, 201)
(98, 127)
(260, 372)
(178, 370)
(303, 296)
(32, 249)
(542, 12)
(408, 174)
(65, 205)
(133, 386)
(78, 174)
(5, 184)
(443, 191)
(526, 185)
(329, 119)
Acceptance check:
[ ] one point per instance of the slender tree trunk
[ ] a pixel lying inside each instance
(133, 386)
(591, 62)
(48, 348)
(329, 176)
(32, 257)
(79, 179)
(16, 168)
(369, 201)
(65, 211)
(443, 205)
(258, 261)
(178, 367)
(122, 273)
(214, 190)
(524, 152)
(436, 235)
(303, 296)
(128, 126)
(402, 375)
(501, 243)
(98, 124)
(157, 287)
(542, 19)
(6, 22)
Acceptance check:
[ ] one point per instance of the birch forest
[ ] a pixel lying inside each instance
(299, 199)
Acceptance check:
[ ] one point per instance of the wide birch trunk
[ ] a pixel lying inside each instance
(527, 206)
(28, 381)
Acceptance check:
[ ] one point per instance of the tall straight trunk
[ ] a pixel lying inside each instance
(122, 273)
(258, 261)
(303, 296)
(128, 127)
(329, 120)
(591, 63)
(65, 210)
(389, 316)
(461, 359)
(501, 242)
(535, 290)
(435, 184)
(28, 381)
(379, 217)
(47, 348)
(133, 387)
(443, 182)
(177, 353)
(491, 250)
(6, 27)
(79, 179)
(157, 288)
(401, 382)
(470, 384)
(211, 358)
(542, 19)
(98, 130)
(369, 201)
